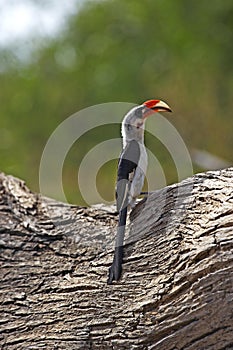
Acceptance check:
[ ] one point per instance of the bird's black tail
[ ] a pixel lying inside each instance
(116, 267)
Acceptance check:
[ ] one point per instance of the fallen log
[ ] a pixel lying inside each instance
(176, 291)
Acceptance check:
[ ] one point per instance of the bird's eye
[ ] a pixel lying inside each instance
(139, 125)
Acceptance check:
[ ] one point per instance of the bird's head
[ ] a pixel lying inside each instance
(134, 121)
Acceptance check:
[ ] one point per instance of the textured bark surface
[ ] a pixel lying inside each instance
(176, 291)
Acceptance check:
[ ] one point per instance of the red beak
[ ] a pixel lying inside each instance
(155, 106)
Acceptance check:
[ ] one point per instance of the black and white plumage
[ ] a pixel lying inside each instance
(132, 167)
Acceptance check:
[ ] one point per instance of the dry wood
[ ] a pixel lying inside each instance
(176, 291)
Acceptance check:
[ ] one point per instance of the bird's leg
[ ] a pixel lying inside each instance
(116, 267)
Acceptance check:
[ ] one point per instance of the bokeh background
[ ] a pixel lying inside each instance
(57, 58)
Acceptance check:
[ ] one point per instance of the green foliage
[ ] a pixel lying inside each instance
(117, 50)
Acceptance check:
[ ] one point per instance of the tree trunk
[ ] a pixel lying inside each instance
(176, 290)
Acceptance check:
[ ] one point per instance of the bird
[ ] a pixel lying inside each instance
(132, 165)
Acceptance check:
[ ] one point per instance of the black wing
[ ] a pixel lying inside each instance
(128, 162)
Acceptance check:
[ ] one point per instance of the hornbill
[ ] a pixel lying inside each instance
(132, 166)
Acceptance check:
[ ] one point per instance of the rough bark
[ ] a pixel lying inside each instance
(177, 286)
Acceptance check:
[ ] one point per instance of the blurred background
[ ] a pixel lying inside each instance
(57, 58)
